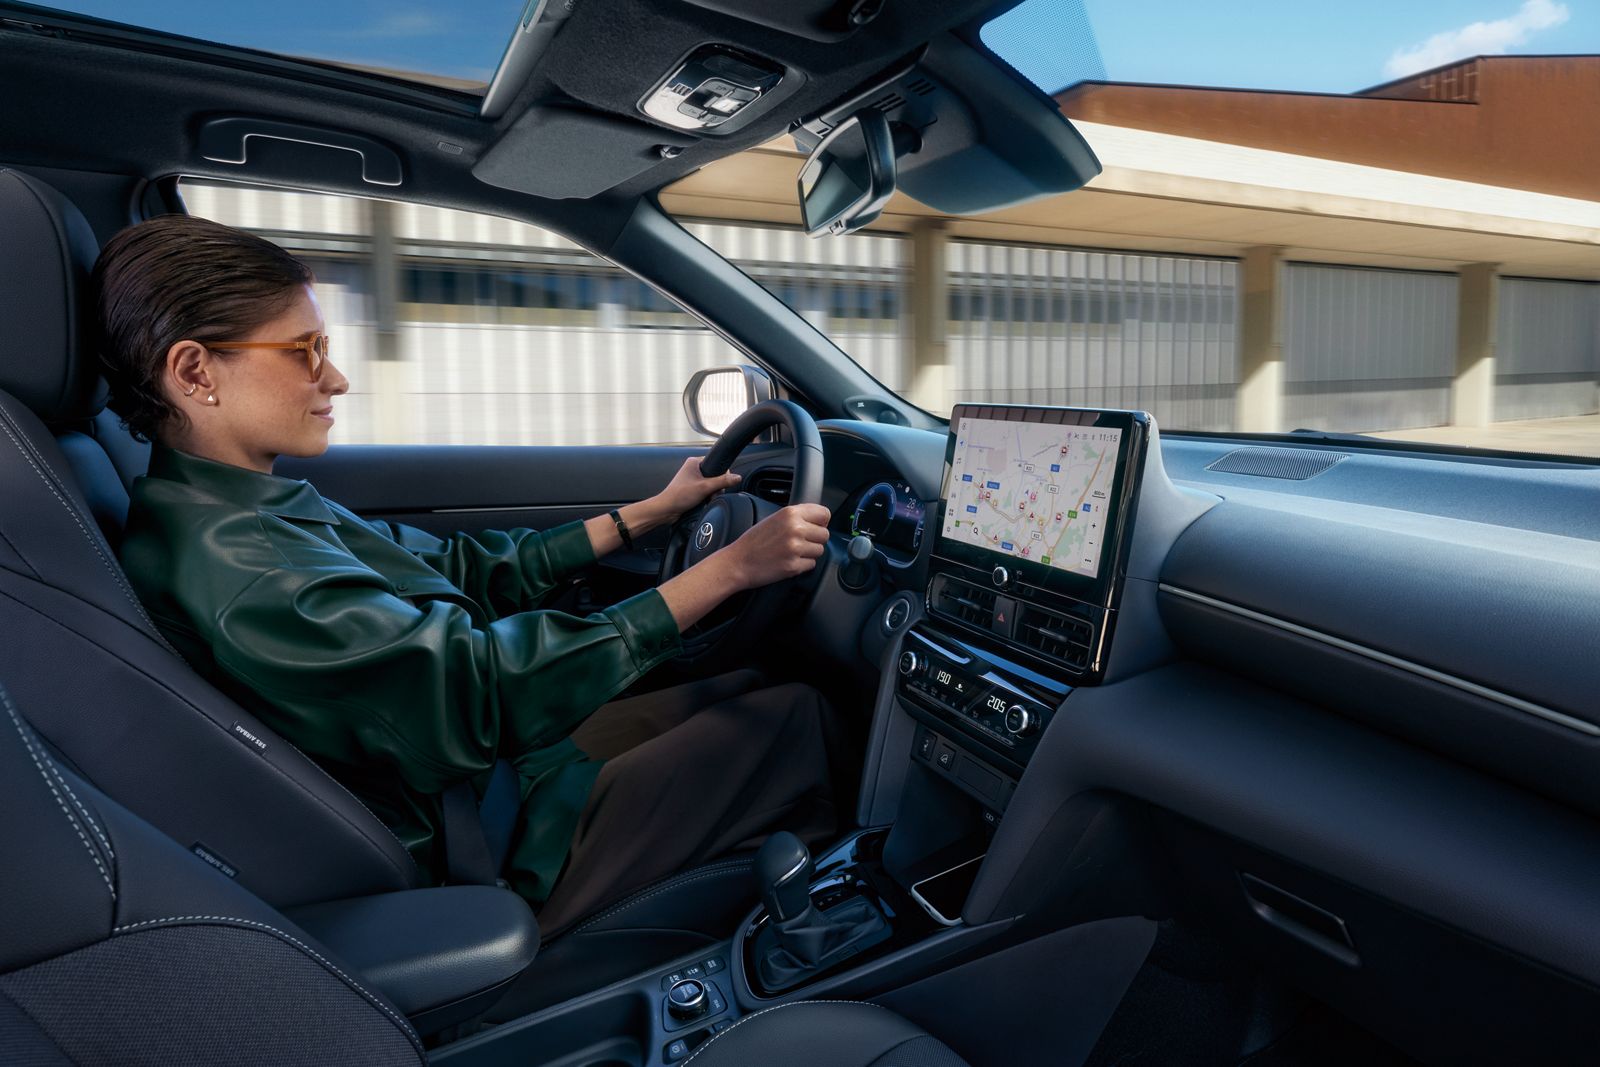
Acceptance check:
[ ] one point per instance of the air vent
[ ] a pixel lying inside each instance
(964, 601)
(1062, 638)
(922, 86)
(772, 485)
(1290, 464)
(889, 103)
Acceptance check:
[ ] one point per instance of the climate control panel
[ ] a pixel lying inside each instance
(999, 704)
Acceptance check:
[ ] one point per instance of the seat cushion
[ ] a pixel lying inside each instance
(834, 1032)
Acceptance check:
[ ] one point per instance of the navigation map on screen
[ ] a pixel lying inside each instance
(1039, 492)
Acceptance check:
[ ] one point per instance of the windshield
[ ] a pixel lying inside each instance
(1365, 218)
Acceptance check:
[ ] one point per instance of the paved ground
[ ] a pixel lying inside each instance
(1578, 435)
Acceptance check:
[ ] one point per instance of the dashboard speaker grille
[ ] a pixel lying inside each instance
(1290, 464)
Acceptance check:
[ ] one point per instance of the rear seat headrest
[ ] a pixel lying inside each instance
(47, 250)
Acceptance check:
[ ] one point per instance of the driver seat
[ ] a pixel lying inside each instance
(116, 700)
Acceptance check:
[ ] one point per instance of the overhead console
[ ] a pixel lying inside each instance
(1033, 531)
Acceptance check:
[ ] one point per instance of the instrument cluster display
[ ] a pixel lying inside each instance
(892, 515)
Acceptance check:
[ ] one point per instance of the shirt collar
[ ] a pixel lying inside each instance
(290, 498)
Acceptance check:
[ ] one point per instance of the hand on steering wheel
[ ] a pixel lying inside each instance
(727, 517)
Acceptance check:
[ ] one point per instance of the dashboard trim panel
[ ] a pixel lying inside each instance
(1431, 674)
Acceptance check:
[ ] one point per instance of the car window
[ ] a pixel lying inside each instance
(1357, 219)
(461, 328)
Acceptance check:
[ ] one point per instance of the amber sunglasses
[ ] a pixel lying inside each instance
(315, 349)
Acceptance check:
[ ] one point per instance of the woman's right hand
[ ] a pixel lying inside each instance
(782, 545)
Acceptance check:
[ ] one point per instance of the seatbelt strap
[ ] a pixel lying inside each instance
(466, 850)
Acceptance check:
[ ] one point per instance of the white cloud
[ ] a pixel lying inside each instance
(1478, 38)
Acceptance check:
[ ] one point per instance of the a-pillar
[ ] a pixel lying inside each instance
(1472, 392)
(1259, 400)
(931, 383)
(389, 422)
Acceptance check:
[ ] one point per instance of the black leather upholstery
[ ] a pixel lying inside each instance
(46, 252)
(837, 1033)
(442, 955)
(121, 947)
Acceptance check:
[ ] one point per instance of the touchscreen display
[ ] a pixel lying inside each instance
(1040, 492)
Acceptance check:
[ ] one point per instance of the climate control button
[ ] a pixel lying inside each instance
(910, 662)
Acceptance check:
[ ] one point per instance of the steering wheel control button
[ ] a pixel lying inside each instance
(1020, 721)
(1000, 576)
(688, 999)
(910, 663)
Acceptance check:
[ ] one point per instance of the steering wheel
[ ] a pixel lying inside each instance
(725, 517)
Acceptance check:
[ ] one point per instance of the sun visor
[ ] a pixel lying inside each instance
(563, 153)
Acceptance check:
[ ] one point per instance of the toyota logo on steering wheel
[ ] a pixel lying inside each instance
(702, 536)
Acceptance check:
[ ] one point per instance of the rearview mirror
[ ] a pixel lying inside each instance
(849, 176)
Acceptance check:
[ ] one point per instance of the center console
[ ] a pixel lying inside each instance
(1025, 576)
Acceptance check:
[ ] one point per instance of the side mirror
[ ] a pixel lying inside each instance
(716, 396)
(849, 176)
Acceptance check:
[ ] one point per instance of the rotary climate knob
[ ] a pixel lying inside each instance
(910, 662)
(1020, 721)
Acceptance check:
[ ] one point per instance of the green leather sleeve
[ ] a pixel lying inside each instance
(359, 675)
(503, 571)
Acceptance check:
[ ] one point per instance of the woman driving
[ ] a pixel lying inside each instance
(407, 663)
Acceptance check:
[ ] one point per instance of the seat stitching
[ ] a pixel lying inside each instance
(192, 706)
(83, 810)
(693, 876)
(172, 920)
(7, 424)
(38, 763)
(777, 1007)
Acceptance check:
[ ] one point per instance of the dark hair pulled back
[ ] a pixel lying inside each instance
(174, 278)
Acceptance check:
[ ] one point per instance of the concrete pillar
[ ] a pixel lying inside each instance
(1477, 326)
(932, 384)
(1259, 401)
(389, 423)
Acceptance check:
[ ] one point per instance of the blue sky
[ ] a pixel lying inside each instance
(1305, 45)
(1300, 45)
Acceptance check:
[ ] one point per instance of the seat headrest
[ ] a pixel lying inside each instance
(47, 250)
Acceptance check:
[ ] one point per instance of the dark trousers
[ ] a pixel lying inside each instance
(692, 773)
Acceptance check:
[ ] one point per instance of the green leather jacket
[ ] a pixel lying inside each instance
(403, 662)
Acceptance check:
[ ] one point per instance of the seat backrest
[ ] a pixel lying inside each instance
(106, 689)
(121, 948)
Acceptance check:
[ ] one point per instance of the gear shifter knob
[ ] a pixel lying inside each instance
(783, 875)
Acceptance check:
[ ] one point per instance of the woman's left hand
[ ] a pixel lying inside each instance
(689, 489)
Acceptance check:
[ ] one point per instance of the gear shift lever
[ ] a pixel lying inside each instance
(800, 941)
(784, 869)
